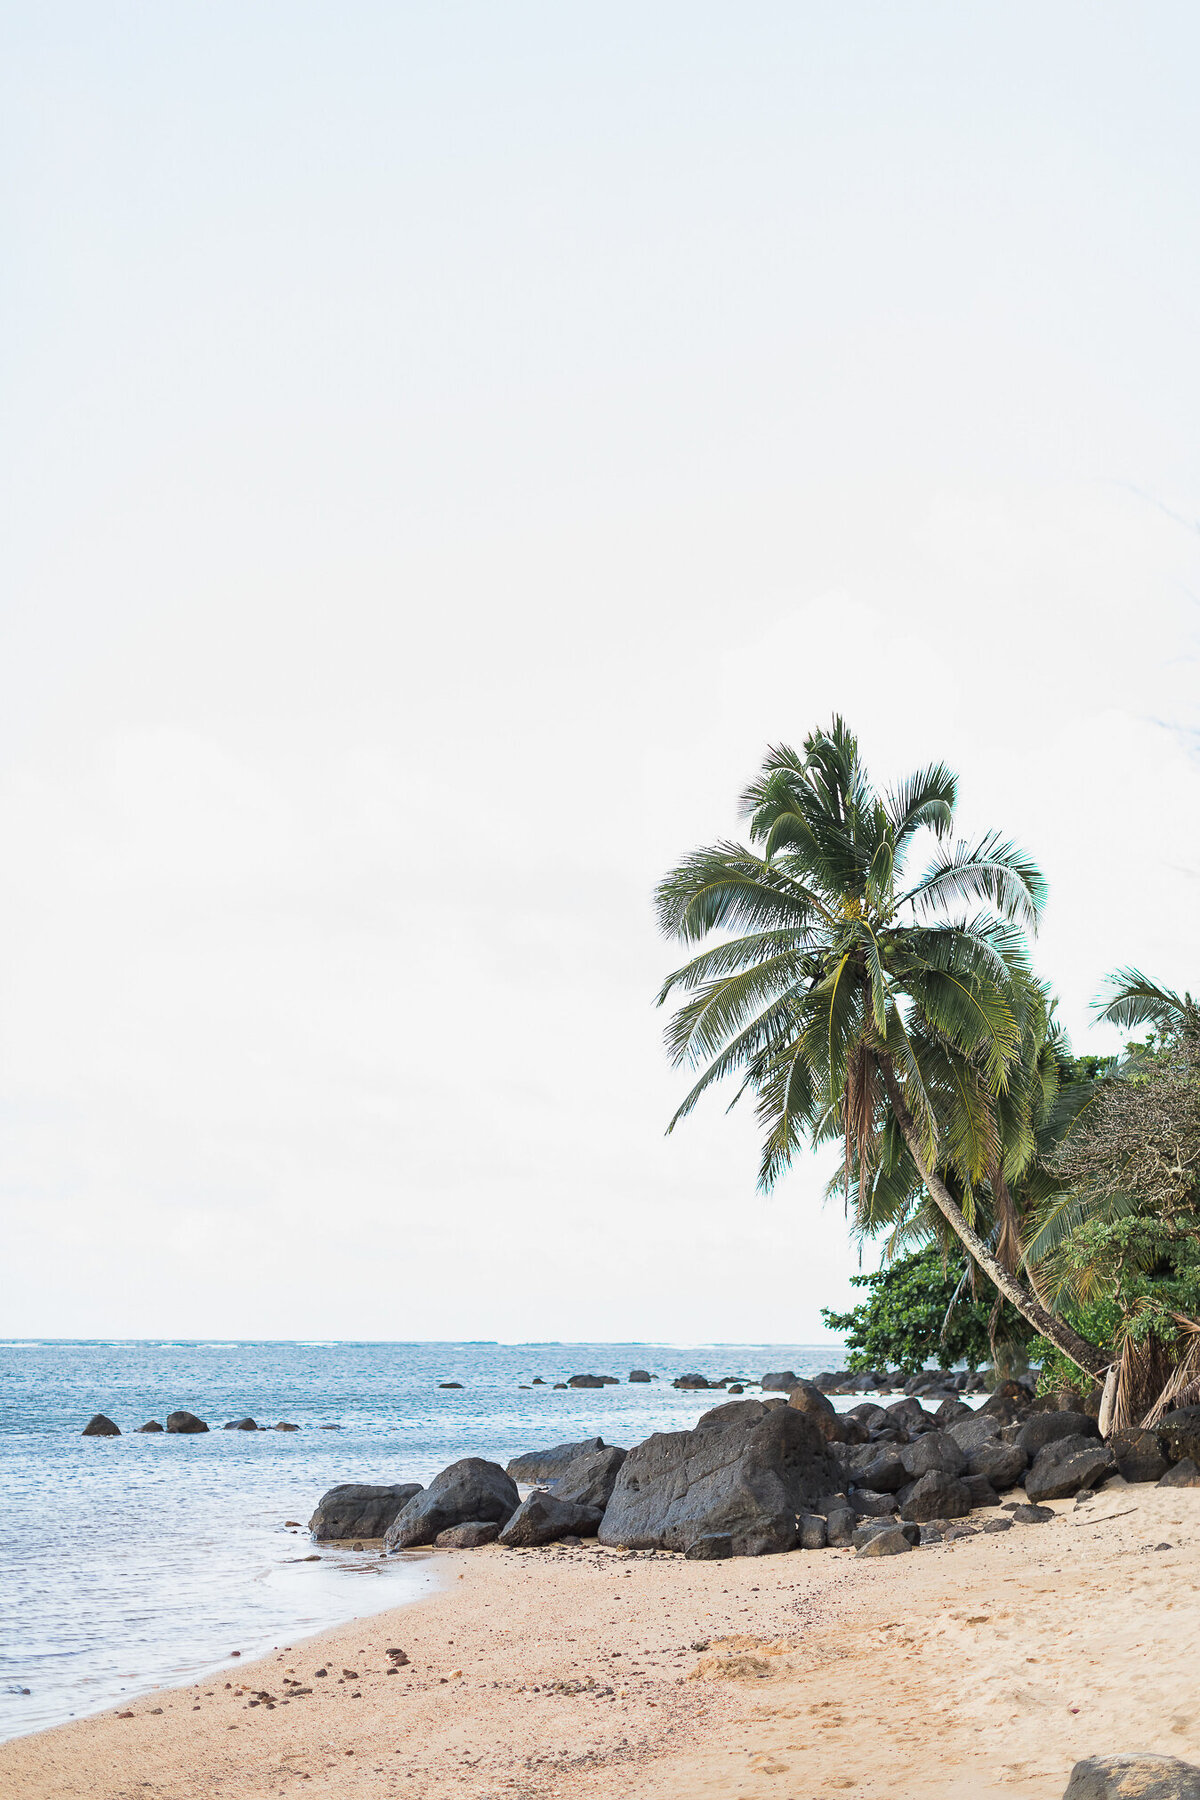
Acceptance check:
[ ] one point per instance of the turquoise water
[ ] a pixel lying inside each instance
(136, 1562)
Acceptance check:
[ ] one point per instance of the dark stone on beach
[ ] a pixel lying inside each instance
(542, 1519)
(951, 1411)
(748, 1469)
(100, 1426)
(639, 1375)
(589, 1480)
(981, 1490)
(150, 1425)
(592, 1381)
(1139, 1454)
(735, 1387)
(356, 1510)
(241, 1425)
(1137, 1776)
(1008, 1401)
(1032, 1515)
(806, 1397)
(970, 1434)
(690, 1381)
(1183, 1474)
(841, 1523)
(813, 1534)
(997, 1525)
(873, 1506)
(1001, 1464)
(884, 1474)
(1180, 1433)
(935, 1450)
(1067, 1464)
(469, 1489)
(547, 1465)
(891, 1541)
(470, 1536)
(185, 1423)
(781, 1382)
(449, 1384)
(1049, 1427)
(714, 1546)
(936, 1495)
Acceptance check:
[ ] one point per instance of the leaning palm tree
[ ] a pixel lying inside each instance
(848, 1001)
(1133, 999)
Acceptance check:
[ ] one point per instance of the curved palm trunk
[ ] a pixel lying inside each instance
(1085, 1356)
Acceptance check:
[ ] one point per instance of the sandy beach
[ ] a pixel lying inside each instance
(983, 1667)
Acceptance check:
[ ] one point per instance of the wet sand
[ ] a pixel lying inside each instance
(978, 1669)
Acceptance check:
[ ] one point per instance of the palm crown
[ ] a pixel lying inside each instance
(855, 1001)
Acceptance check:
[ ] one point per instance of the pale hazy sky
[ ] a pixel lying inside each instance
(443, 444)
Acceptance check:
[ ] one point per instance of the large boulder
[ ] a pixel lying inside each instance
(470, 1489)
(591, 1381)
(748, 1470)
(933, 1450)
(980, 1428)
(185, 1423)
(1140, 1776)
(936, 1495)
(543, 1519)
(885, 1473)
(1065, 1465)
(641, 1375)
(1180, 1433)
(590, 1479)
(891, 1541)
(150, 1425)
(1140, 1455)
(100, 1426)
(1001, 1464)
(1008, 1400)
(872, 1505)
(691, 1382)
(246, 1424)
(1181, 1474)
(782, 1381)
(355, 1510)
(545, 1465)
(1045, 1428)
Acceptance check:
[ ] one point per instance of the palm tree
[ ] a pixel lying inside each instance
(848, 1001)
(1134, 999)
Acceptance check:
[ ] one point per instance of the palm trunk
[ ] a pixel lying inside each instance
(1085, 1356)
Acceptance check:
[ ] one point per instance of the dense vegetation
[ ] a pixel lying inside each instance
(899, 1016)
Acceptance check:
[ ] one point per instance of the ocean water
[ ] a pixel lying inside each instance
(144, 1561)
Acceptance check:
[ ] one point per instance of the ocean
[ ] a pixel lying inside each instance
(139, 1562)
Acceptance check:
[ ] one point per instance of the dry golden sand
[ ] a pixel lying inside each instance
(978, 1669)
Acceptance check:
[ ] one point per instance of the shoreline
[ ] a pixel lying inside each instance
(983, 1666)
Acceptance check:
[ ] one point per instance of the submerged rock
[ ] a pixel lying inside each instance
(468, 1490)
(241, 1425)
(356, 1510)
(185, 1423)
(592, 1381)
(747, 1470)
(99, 1425)
(150, 1425)
(640, 1375)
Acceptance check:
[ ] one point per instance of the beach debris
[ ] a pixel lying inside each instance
(545, 1465)
(470, 1535)
(469, 1489)
(399, 1658)
(99, 1425)
(1141, 1775)
(185, 1424)
(150, 1425)
(14, 1687)
(357, 1510)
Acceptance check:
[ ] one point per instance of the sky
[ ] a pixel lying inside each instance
(443, 445)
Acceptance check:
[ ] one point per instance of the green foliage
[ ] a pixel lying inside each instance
(921, 1309)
